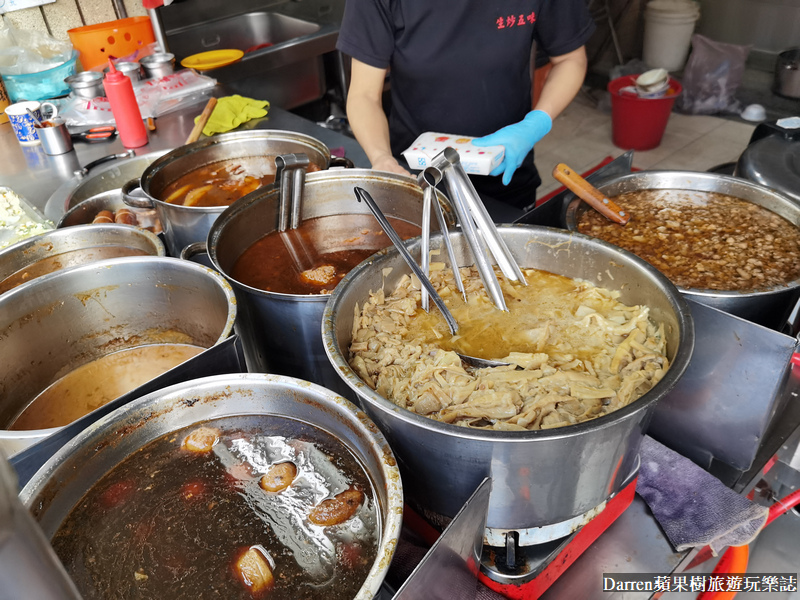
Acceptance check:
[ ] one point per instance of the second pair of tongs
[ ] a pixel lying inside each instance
(477, 226)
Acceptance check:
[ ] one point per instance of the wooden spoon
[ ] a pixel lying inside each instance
(201, 122)
(590, 194)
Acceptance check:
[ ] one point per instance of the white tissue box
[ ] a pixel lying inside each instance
(475, 160)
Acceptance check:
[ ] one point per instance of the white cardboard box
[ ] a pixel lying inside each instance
(475, 160)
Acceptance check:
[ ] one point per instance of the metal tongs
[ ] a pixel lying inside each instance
(479, 230)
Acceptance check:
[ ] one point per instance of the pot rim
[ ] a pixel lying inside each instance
(680, 362)
(115, 422)
(575, 206)
(222, 139)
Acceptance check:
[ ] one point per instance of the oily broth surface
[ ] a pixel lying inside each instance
(704, 240)
(98, 382)
(167, 523)
(276, 261)
(223, 182)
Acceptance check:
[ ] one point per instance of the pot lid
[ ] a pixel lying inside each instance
(212, 59)
(774, 162)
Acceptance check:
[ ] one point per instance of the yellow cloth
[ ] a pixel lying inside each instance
(232, 111)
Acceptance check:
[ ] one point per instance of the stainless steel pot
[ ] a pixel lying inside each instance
(61, 249)
(101, 182)
(61, 321)
(769, 307)
(55, 489)
(787, 74)
(184, 225)
(281, 332)
(541, 479)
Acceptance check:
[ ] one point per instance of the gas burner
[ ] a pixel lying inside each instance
(524, 572)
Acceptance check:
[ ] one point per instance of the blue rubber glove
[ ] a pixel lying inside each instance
(518, 139)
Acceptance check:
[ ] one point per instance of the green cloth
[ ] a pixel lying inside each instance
(232, 111)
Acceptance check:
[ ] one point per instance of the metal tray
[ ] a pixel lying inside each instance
(19, 219)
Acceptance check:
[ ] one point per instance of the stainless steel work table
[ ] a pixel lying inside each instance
(34, 175)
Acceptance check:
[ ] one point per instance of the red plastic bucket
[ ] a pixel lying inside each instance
(639, 123)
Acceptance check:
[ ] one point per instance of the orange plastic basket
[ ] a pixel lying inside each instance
(115, 39)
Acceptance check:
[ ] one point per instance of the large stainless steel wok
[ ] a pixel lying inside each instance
(541, 478)
(73, 470)
(769, 307)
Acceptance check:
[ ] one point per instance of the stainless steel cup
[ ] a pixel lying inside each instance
(86, 84)
(158, 65)
(55, 136)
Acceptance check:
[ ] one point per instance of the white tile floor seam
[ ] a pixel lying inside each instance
(581, 137)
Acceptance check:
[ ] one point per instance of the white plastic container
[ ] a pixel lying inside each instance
(668, 28)
(475, 160)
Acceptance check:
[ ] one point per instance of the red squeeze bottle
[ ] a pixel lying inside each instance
(128, 117)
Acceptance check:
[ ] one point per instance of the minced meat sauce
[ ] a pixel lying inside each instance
(230, 509)
(703, 240)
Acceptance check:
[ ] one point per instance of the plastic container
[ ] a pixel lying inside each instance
(639, 123)
(127, 116)
(114, 39)
(668, 28)
(41, 85)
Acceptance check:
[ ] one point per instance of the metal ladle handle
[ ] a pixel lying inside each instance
(362, 194)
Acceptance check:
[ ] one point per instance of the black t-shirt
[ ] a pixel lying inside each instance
(459, 66)
(462, 66)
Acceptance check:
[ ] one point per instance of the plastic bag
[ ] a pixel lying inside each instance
(712, 76)
(23, 52)
(155, 97)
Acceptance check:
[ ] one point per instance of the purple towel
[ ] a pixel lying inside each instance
(693, 507)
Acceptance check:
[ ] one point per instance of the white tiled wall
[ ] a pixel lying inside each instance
(58, 17)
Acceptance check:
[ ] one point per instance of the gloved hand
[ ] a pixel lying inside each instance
(518, 139)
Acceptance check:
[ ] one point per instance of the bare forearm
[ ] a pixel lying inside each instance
(563, 82)
(370, 126)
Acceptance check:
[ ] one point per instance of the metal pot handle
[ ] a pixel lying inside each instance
(342, 161)
(84, 171)
(135, 201)
(193, 250)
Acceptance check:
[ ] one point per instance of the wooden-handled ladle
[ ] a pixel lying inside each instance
(590, 194)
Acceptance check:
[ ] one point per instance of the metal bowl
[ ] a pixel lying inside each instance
(54, 490)
(769, 307)
(59, 249)
(63, 320)
(542, 479)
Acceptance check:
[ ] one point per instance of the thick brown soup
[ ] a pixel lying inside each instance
(98, 382)
(189, 516)
(221, 183)
(704, 240)
(316, 256)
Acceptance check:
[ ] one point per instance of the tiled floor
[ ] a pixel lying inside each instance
(581, 138)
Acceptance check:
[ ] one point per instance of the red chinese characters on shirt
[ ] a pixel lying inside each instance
(515, 21)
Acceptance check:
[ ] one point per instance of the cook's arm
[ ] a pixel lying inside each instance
(560, 87)
(563, 82)
(366, 116)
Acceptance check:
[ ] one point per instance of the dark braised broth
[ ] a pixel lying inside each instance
(317, 255)
(177, 520)
(223, 182)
